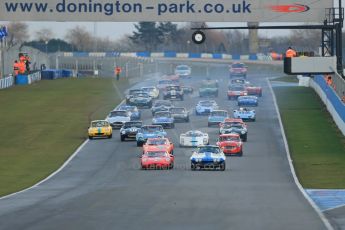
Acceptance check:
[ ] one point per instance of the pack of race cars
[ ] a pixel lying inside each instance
(157, 148)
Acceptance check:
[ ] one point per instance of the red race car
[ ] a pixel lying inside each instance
(230, 144)
(156, 157)
(253, 90)
(162, 142)
(238, 69)
(236, 90)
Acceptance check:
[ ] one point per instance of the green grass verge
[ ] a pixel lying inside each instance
(44, 123)
(317, 146)
(286, 79)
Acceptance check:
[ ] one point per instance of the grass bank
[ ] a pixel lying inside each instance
(44, 123)
(317, 146)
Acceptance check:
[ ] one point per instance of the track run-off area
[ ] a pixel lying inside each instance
(103, 187)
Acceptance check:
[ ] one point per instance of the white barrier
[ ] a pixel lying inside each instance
(336, 117)
(34, 77)
(6, 82)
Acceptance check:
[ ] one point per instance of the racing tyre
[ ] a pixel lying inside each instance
(139, 144)
(123, 138)
(110, 136)
(245, 138)
(90, 137)
(171, 166)
(193, 167)
(187, 119)
(222, 166)
(240, 153)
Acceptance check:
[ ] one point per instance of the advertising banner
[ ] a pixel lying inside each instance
(163, 10)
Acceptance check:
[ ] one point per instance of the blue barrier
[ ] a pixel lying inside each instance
(22, 79)
(236, 57)
(67, 73)
(143, 54)
(27, 79)
(80, 54)
(51, 74)
(194, 55)
(112, 54)
(217, 56)
(332, 96)
(170, 54)
(253, 57)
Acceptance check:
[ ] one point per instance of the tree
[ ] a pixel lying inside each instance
(44, 34)
(147, 35)
(18, 33)
(80, 38)
(169, 34)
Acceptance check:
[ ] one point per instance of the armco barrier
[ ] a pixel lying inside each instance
(332, 101)
(172, 54)
(6, 82)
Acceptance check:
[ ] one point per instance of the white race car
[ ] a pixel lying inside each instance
(245, 114)
(194, 138)
(153, 91)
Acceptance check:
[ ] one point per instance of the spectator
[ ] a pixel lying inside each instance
(290, 53)
(15, 68)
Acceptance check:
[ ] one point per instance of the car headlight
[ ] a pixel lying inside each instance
(238, 145)
(144, 159)
(216, 160)
(123, 132)
(243, 132)
(167, 159)
(205, 140)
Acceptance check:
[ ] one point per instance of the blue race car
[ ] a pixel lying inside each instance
(205, 107)
(163, 118)
(247, 101)
(208, 156)
(245, 114)
(217, 116)
(149, 131)
(135, 113)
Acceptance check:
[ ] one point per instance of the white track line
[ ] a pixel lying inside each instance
(306, 196)
(58, 170)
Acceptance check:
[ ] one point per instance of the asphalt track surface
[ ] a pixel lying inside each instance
(104, 188)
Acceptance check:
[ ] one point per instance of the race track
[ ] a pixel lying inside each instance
(104, 188)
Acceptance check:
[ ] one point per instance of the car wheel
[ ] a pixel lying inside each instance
(240, 153)
(123, 138)
(222, 166)
(187, 119)
(90, 137)
(110, 136)
(208, 124)
(193, 167)
(172, 125)
(245, 138)
(171, 166)
(139, 144)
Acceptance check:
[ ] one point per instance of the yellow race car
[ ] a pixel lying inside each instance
(100, 128)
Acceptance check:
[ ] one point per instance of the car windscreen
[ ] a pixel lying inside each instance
(173, 88)
(219, 113)
(99, 124)
(141, 95)
(233, 125)
(182, 67)
(161, 103)
(206, 103)
(148, 89)
(133, 91)
(165, 82)
(177, 110)
(209, 149)
(209, 85)
(118, 114)
(229, 138)
(155, 154)
(156, 142)
(236, 88)
(194, 134)
(152, 129)
(133, 124)
(237, 66)
(162, 114)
